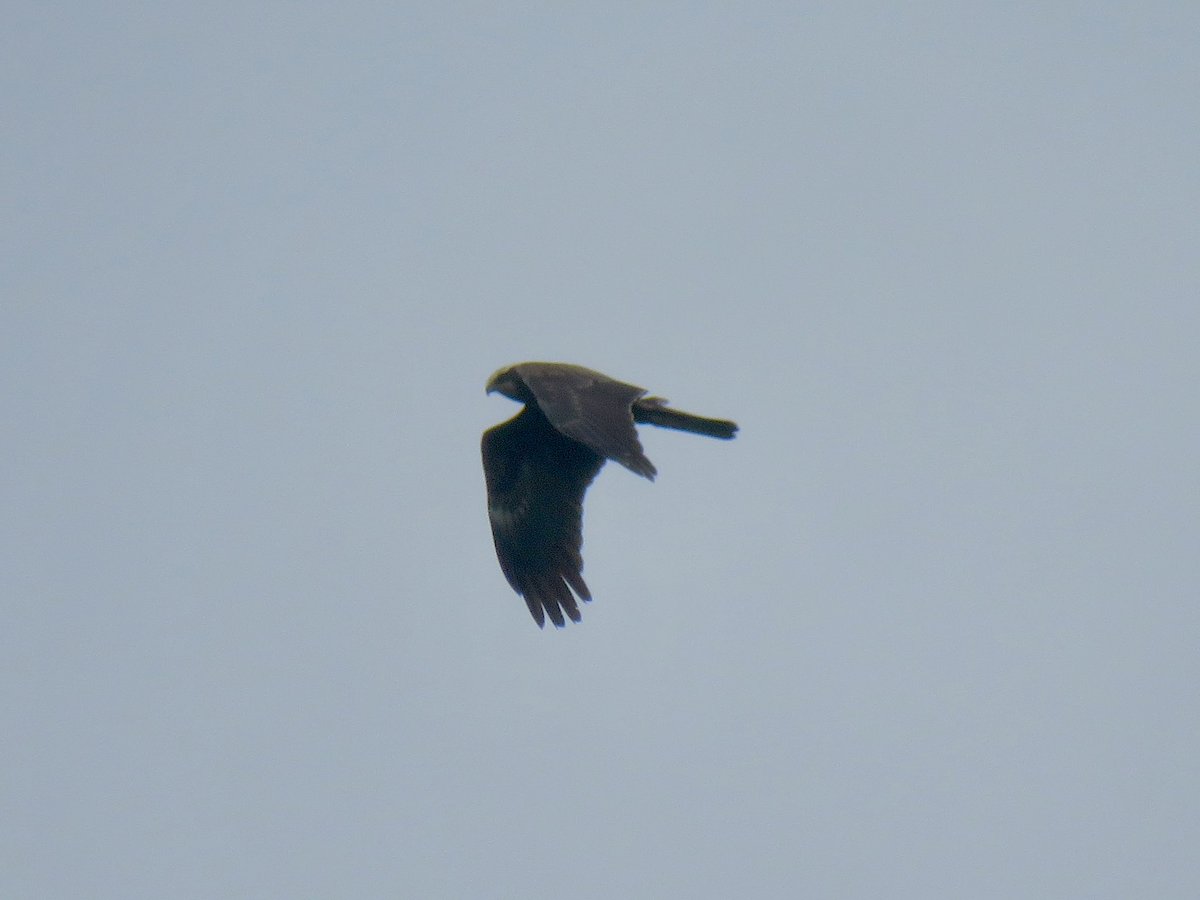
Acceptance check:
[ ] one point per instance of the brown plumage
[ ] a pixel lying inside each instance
(539, 464)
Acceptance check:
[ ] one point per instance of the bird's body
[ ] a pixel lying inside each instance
(538, 465)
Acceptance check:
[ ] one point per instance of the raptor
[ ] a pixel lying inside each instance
(538, 465)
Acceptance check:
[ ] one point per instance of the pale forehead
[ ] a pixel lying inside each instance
(499, 373)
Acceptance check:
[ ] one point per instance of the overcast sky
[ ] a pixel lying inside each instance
(928, 628)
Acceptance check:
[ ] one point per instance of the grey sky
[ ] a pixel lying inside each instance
(927, 628)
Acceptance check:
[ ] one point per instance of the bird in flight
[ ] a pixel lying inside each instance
(539, 463)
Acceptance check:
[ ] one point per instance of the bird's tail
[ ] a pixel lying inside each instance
(654, 411)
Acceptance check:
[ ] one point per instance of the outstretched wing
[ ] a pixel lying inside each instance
(591, 408)
(536, 479)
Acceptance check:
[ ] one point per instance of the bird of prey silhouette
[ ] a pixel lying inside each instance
(539, 463)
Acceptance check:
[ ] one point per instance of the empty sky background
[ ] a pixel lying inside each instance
(927, 628)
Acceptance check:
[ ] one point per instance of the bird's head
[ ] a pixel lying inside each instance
(508, 381)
